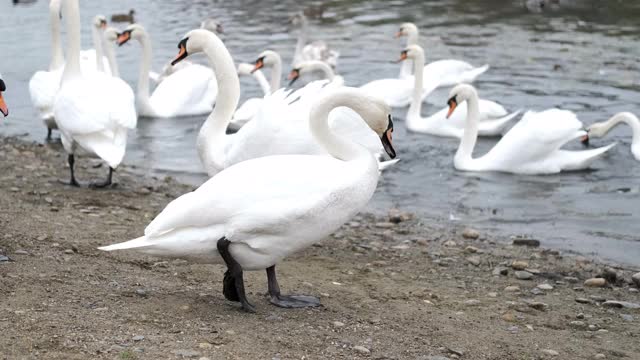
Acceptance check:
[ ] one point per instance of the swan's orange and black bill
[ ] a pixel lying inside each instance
(403, 56)
(3, 106)
(399, 34)
(452, 106)
(103, 24)
(387, 140)
(182, 51)
(293, 76)
(585, 140)
(123, 37)
(258, 65)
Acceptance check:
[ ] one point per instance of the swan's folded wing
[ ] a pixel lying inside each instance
(82, 109)
(43, 88)
(182, 89)
(395, 92)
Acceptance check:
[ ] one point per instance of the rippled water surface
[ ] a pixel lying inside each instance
(583, 56)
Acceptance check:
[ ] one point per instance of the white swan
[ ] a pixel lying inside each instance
(254, 214)
(601, 129)
(191, 91)
(532, 146)
(110, 36)
(317, 50)
(443, 72)
(307, 67)
(97, 34)
(92, 111)
(250, 107)
(493, 117)
(44, 85)
(3, 105)
(270, 59)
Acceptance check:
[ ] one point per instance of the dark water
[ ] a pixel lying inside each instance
(580, 55)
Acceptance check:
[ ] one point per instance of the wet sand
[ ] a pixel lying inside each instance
(397, 287)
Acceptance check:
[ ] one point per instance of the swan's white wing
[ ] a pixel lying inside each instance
(185, 92)
(247, 111)
(88, 63)
(451, 72)
(43, 87)
(395, 92)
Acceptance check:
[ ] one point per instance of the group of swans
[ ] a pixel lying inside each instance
(3, 105)
(317, 50)
(253, 214)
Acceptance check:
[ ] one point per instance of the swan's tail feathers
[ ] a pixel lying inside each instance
(384, 165)
(472, 74)
(131, 244)
(496, 126)
(110, 147)
(154, 76)
(579, 160)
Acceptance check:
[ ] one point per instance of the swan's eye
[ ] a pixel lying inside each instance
(3, 87)
(258, 65)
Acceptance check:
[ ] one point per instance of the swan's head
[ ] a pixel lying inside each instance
(411, 52)
(374, 111)
(212, 25)
(407, 29)
(267, 58)
(3, 106)
(194, 42)
(298, 19)
(133, 31)
(100, 22)
(245, 69)
(111, 34)
(458, 95)
(600, 129)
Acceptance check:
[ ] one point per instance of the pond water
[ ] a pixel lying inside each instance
(577, 55)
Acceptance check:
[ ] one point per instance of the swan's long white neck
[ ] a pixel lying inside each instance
(470, 136)
(213, 131)
(276, 72)
(262, 81)
(57, 56)
(145, 67)
(302, 40)
(339, 147)
(320, 66)
(412, 39)
(111, 57)
(71, 13)
(416, 98)
(96, 35)
(628, 119)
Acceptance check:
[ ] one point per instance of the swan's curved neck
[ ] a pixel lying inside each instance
(262, 81)
(416, 98)
(96, 35)
(57, 56)
(111, 57)
(302, 40)
(628, 119)
(213, 131)
(322, 67)
(339, 147)
(470, 136)
(276, 73)
(71, 13)
(405, 69)
(145, 67)
(412, 38)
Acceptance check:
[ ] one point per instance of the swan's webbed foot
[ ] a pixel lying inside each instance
(233, 279)
(287, 301)
(105, 183)
(72, 182)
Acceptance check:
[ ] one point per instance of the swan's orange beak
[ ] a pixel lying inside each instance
(259, 65)
(387, 140)
(399, 34)
(123, 38)
(182, 51)
(452, 106)
(3, 106)
(403, 56)
(585, 140)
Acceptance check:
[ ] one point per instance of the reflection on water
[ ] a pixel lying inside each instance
(579, 55)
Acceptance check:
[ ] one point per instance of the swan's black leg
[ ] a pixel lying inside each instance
(287, 301)
(104, 184)
(234, 273)
(49, 134)
(229, 287)
(73, 182)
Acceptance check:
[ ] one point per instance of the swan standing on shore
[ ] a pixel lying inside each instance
(317, 50)
(492, 116)
(255, 213)
(531, 147)
(602, 128)
(443, 72)
(190, 91)
(3, 105)
(92, 111)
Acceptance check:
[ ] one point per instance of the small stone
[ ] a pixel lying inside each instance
(48, 200)
(472, 302)
(500, 271)
(509, 317)
(141, 292)
(600, 356)
(578, 324)
(138, 338)
(474, 260)
(621, 304)
(580, 316)
(338, 324)
(437, 358)
(205, 346)
(185, 354)
(470, 234)
(471, 249)
(361, 349)
(519, 265)
(492, 294)
(626, 317)
(450, 243)
(14, 189)
(571, 279)
(545, 287)
(595, 282)
(636, 279)
(524, 275)
(610, 274)
(537, 305)
(512, 289)
(42, 238)
(21, 252)
(385, 225)
(4, 258)
(69, 252)
(526, 242)
(550, 352)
